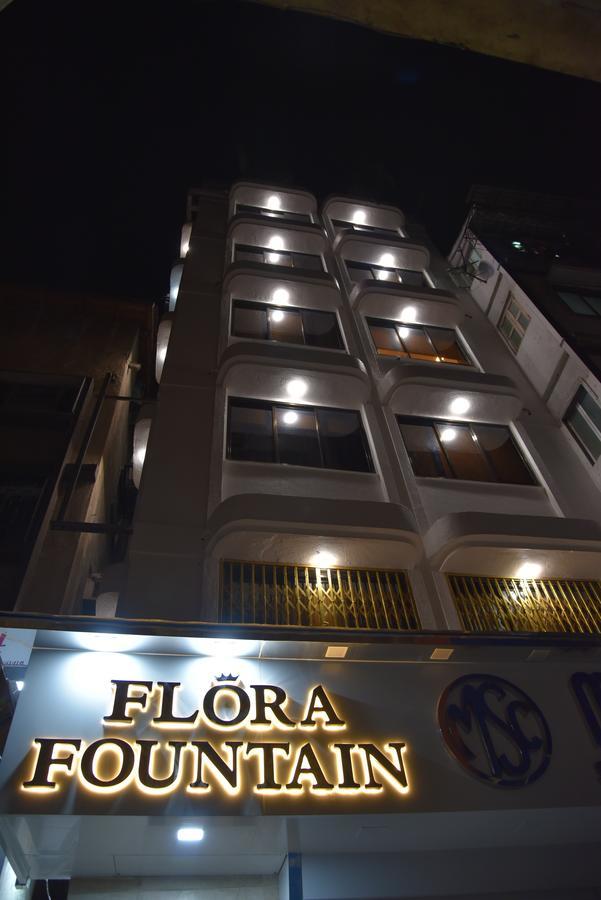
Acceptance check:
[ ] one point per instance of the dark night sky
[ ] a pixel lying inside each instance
(111, 110)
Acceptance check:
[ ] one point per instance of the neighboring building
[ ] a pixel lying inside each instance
(545, 300)
(67, 494)
(355, 651)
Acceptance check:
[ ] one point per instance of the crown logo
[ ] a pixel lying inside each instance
(222, 677)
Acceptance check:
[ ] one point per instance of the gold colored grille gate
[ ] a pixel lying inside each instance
(515, 604)
(269, 594)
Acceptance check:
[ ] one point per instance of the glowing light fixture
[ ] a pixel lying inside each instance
(387, 259)
(408, 314)
(359, 217)
(323, 558)
(276, 243)
(277, 315)
(290, 417)
(140, 456)
(336, 652)
(20, 685)
(280, 295)
(190, 835)
(529, 570)
(459, 406)
(517, 245)
(447, 435)
(296, 388)
(273, 202)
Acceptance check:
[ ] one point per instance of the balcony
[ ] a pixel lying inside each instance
(434, 390)
(382, 252)
(310, 290)
(278, 247)
(262, 593)
(404, 303)
(273, 202)
(343, 213)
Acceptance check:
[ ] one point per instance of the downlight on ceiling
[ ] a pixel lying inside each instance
(459, 406)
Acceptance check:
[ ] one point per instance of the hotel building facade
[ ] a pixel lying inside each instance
(355, 651)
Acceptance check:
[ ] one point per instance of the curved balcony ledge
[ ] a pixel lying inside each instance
(376, 216)
(427, 306)
(255, 194)
(255, 369)
(367, 249)
(317, 291)
(496, 545)
(279, 528)
(256, 232)
(427, 390)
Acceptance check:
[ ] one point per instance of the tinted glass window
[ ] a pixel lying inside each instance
(463, 450)
(577, 303)
(248, 254)
(343, 441)
(249, 322)
(251, 433)
(416, 341)
(446, 345)
(583, 418)
(412, 277)
(321, 329)
(298, 444)
(387, 341)
(286, 325)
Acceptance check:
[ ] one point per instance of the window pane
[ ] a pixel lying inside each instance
(412, 277)
(307, 261)
(250, 434)
(278, 258)
(592, 409)
(321, 329)
(416, 342)
(585, 434)
(595, 301)
(249, 323)
(298, 444)
(286, 325)
(248, 254)
(358, 272)
(497, 443)
(576, 303)
(424, 450)
(384, 274)
(387, 341)
(343, 442)
(446, 344)
(463, 452)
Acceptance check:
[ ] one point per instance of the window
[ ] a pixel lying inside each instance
(246, 209)
(289, 258)
(469, 451)
(580, 302)
(583, 419)
(416, 342)
(360, 271)
(260, 431)
(513, 324)
(339, 225)
(290, 325)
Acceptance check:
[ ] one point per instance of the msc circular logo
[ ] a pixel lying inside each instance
(494, 730)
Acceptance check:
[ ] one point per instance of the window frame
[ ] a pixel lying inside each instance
(437, 425)
(272, 405)
(515, 324)
(393, 325)
(249, 209)
(238, 302)
(573, 405)
(371, 268)
(593, 314)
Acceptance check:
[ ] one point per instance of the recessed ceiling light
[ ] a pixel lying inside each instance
(190, 835)
(20, 685)
(280, 295)
(276, 243)
(459, 406)
(273, 202)
(290, 417)
(408, 314)
(336, 652)
(359, 217)
(296, 388)
(387, 259)
(529, 570)
(447, 435)
(442, 653)
(323, 559)
(277, 315)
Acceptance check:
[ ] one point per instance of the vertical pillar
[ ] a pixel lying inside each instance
(166, 549)
(290, 885)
